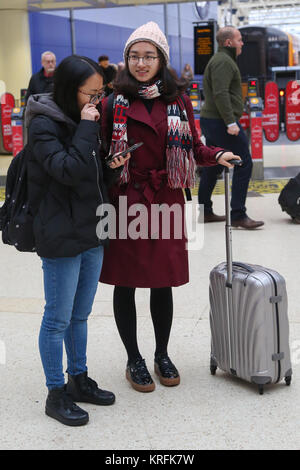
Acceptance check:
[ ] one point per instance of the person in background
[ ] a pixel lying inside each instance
(150, 106)
(188, 74)
(42, 81)
(219, 122)
(66, 185)
(109, 72)
(120, 66)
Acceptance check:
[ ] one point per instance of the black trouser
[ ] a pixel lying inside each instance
(161, 307)
(216, 134)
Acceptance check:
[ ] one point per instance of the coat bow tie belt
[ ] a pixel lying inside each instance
(149, 183)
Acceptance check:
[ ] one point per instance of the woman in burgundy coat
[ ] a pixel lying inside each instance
(149, 107)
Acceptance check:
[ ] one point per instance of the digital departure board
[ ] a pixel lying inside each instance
(203, 46)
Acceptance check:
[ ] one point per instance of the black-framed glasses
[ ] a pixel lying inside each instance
(94, 97)
(147, 59)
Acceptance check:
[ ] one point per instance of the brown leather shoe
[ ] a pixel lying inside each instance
(213, 218)
(247, 223)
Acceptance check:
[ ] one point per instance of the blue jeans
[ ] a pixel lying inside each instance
(216, 134)
(70, 286)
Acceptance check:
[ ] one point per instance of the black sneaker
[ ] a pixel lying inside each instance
(138, 375)
(82, 388)
(61, 407)
(166, 371)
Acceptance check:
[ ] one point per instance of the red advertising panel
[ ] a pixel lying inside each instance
(7, 102)
(197, 124)
(271, 112)
(244, 121)
(256, 138)
(17, 137)
(292, 110)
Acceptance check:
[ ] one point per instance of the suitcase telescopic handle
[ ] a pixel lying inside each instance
(228, 221)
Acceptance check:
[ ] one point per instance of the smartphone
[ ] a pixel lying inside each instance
(111, 158)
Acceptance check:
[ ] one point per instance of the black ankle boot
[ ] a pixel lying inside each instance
(83, 389)
(61, 407)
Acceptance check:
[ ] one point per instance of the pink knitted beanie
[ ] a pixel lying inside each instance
(149, 32)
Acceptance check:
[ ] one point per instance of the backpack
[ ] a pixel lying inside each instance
(16, 221)
(289, 198)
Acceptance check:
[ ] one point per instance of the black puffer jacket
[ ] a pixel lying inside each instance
(65, 179)
(38, 84)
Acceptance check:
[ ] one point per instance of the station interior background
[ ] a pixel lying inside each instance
(204, 412)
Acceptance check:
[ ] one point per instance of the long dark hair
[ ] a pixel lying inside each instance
(173, 86)
(71, 73)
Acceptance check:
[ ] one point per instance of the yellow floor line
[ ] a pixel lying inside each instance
(261, 187)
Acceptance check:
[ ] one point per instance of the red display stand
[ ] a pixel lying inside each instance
(256, 138)
(271, 112)
(244, 121)
(292, 110)
(17, 130)
(7, 103)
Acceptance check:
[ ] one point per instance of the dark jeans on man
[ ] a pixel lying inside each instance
(215, 132)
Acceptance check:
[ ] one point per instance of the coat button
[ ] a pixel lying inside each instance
(136, 185)
(133, 164)
(131, 141)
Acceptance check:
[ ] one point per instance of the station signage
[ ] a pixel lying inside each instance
(203, 46)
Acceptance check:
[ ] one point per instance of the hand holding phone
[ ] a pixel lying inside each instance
(111, 157)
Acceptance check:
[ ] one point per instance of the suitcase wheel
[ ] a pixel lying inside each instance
(288, 380)
(261, 389)
(213, 370)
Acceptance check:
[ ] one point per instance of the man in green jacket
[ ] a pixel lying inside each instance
(219, 122)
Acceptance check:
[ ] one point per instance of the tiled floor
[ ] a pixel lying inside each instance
(203, 412)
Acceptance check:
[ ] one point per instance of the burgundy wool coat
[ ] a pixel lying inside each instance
(150, 262)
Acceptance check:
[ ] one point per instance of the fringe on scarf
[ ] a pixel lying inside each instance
(181, 164)
(180, 168)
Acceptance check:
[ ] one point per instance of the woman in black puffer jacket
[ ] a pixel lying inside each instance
(66, 186)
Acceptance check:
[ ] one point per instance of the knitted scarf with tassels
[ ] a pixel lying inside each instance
(180, 157)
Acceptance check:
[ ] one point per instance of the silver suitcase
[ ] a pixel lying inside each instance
(248, 318)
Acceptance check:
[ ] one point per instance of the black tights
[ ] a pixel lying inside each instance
(161, 307)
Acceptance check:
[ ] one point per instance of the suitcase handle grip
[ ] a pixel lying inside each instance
(244, 266)
(233, 162)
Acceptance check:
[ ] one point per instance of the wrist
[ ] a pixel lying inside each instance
(219, 155)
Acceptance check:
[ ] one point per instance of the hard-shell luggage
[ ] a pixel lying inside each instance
(248, 319)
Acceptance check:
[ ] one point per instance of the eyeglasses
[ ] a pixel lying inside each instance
(147, 59)
(95, 97)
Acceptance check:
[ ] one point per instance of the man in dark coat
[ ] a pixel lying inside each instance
(219, 122)
(109, 73)
(42, 81)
